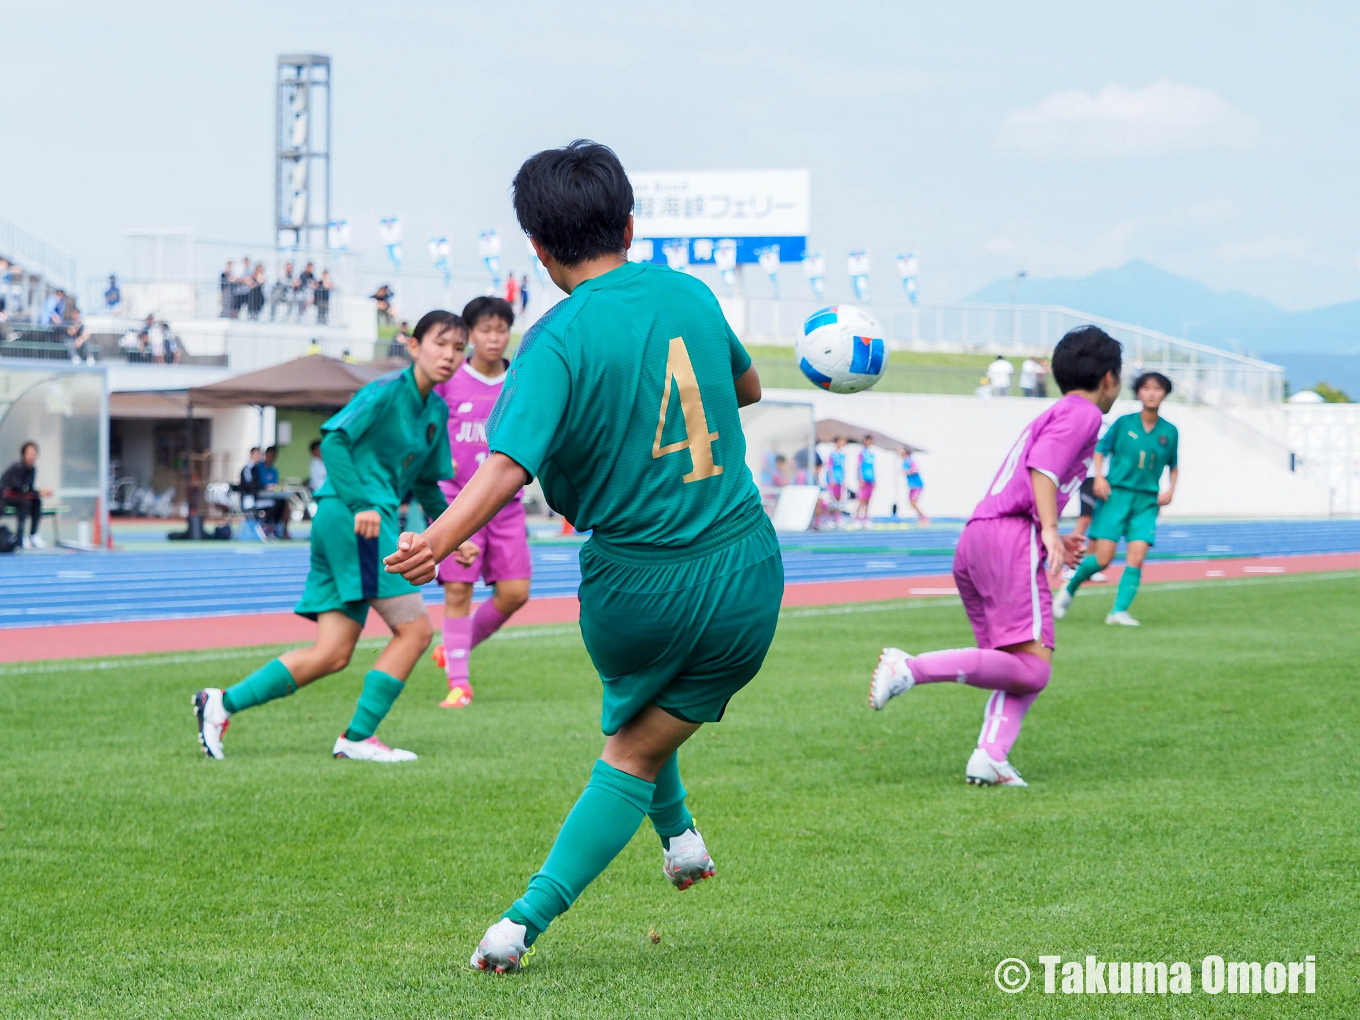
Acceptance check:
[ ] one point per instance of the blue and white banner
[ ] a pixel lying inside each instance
(337, 235)
(489, 249)
(701, 251)
(725, 258)
(769, 261)
(642, 251)
(676, 253)
(906, 268)
(439, 253)
(814, 268)
(858, 266)
(389, 232)
(540, 270)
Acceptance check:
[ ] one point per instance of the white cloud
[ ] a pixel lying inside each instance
(1273, 246)
(1116, 122)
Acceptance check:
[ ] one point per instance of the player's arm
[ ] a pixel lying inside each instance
(1101, 485)
(338, 455)
(1163, 498)
(748, 387)
(1046, 505)
(492, 486)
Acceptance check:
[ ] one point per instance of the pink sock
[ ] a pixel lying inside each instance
(1012, 672)
(486, 621)
(457, 644)
(1001, 722)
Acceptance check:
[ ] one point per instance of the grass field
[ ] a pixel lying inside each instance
(907, 371)
(1193, 792)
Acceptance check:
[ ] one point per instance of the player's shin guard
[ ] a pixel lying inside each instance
(1128, 588)
(669, 815)
(485, 622)
(1001, 722)
(988, 668)
(1085, 569)
(270, 681)
(599, 826)
(380, 691)
(457, 644)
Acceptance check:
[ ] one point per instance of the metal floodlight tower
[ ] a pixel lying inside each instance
(302, 151)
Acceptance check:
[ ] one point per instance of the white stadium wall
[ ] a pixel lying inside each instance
(1226, 470)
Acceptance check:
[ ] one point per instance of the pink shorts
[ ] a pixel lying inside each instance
(505, 552)
(999, 571)
(866, 491)
(914, 493)
(836, 491)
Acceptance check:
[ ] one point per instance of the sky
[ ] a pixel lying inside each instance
(1221, 142)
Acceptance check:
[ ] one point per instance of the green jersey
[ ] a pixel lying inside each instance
(1138, 456)
(621, 400)
(385, 443)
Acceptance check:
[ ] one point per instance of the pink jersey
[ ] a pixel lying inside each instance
(470, 396)
(1058, 443)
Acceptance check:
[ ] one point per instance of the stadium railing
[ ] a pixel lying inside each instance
(180, 300)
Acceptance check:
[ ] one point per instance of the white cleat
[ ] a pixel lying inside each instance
(213, 720)
(983, 771)
(1122, 619)
(687, 860)
(371, 749)
(1061, 601)
(892, 676)
(1099, 577)
(502, 947)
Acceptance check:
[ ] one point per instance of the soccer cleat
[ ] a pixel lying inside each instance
(371, 749)
(213, 720)
(892, 676)
(458, 697)
(687, 860)
(502, 947)
(983, 771)
(1099, 577)
(438, 656)
(1123, 619)
(1061, 601)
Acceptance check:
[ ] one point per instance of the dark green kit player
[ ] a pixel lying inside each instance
(391, 439)
(623, 401)
(1136, 449)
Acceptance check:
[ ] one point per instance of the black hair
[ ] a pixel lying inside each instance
(271, 449)
(437, 318)
(27, 443)
(575, 201)
(868, 439)
(1083, 356)
(1156, 377)
(314, 445)
(480, 308)
(254, 449)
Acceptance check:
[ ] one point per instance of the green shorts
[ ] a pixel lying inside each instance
(1128, 513)
(346, 571)
(681, 631)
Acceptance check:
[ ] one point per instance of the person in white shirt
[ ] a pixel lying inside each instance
(1029, 377)
(316, 474)
(999, 374)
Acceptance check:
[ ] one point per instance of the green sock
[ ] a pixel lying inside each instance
(598, 827)
(1128, 588)
(380, 690)
(270, 681)
(1085, 569)
(668, 813)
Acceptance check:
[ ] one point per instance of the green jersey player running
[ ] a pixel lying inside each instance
(1129, 462)
(391, 439)
(623, 401)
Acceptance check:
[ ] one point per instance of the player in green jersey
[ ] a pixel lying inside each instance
(623, 401)
(391, 439)
(1129, 462)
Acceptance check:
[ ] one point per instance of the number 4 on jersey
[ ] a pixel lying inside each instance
(698, 440)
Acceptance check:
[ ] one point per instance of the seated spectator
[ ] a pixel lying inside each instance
(398, 346)
(324, 286)
(268, 476)
(383, 297)
(255, 292)
(227, 283)
(18, 488)
(78, 340)
(249, 484)
(54, 309)
(314, 347)
(282, 292)
(316, 471)
(174, 347)
(113, 296)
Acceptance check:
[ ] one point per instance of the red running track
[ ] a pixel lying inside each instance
(90, 640)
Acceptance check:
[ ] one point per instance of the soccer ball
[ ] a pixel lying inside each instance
(841, 349)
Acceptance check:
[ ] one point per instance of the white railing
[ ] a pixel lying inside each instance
(36, 255)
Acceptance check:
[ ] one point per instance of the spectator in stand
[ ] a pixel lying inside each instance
(226, 282)
(255, 288)
(113, 296)
(523, 294)
(18, 488)
(78, 340)
(386, 310)
(399, 345)
(174, 347)
(324, 286)
(1029, 376)
(149, 340)
(282, 293)
(511, 290)
(306, 285)
(240, 287)
(999, 374)
(314, 347)
(54, 308)
(316, 471)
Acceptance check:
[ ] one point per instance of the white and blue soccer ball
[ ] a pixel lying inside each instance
(841, 349)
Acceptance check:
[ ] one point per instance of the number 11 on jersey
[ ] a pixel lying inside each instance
(698, 440)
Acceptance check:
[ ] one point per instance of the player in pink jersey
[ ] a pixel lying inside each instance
(1009, 558)
(504, 560)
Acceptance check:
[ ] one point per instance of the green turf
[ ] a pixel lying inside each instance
(1193, 792)
(907, 371)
